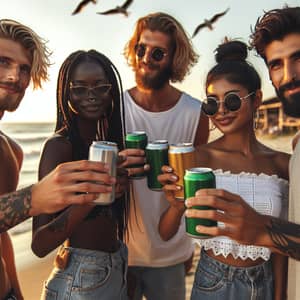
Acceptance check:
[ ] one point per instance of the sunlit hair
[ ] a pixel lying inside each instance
(232, 65)
(274, 25)
(22, 34)
(110, 128)
(184, 56)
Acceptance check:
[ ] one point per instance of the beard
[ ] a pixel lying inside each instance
(291, 103)
(155, 82)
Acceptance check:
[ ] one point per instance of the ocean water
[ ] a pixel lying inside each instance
(31, 137)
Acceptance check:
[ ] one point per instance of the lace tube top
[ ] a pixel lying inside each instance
(266, 194)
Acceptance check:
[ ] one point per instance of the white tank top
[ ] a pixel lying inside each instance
(267, 194)
(178, 124)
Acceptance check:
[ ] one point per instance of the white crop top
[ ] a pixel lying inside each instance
(267, 194)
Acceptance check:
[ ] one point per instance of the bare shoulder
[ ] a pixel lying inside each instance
(282, 161)
(57, 149)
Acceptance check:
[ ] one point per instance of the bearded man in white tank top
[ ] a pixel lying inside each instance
(159, 53)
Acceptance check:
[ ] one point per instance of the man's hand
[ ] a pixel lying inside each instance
(242, 222)
(134, 162)
(168, 180)
(69, 183)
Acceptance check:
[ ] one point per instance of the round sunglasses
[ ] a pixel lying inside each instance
(232, 102)
(97, 90)
(156, 53)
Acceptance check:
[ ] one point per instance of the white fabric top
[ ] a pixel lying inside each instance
(178, 124)
(267, 194)
(294, 216)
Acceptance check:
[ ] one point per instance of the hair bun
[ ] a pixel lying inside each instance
(231, 50)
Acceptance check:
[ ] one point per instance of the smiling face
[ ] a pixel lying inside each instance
(231, 121)
(151, 73)
(283, 60)
(15, 67)
(90, 95)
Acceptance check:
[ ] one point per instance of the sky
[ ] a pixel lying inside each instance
(65, 33)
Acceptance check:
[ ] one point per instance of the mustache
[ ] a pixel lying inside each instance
(151, 65)
(11, 85)
(288, 86)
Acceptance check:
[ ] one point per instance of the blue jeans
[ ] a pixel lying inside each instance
(215, 280)
(165, 283)
(89, 275)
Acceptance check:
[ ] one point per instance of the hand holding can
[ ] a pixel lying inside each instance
(106, 152)
(194, 180)
(157, 156)
(181, 157)
(136, 140)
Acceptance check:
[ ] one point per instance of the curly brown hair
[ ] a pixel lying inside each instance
(184, 56)
(274, 25)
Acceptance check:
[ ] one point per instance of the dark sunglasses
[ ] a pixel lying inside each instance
(232, 102)
(156, 53)
(97, 90)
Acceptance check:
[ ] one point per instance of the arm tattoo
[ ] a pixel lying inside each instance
(286, 237)
(14, 208)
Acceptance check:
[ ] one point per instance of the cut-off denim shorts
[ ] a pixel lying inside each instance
(89, 275)
(215, 280)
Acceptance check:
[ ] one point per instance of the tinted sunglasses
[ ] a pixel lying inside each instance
(232, 102)
(97, 90)
(156, 53)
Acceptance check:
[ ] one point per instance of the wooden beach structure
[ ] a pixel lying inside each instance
(271, 117)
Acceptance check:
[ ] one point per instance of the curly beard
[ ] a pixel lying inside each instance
(155, 82)
(291, 103)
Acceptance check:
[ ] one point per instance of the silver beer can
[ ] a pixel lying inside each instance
(106, 152)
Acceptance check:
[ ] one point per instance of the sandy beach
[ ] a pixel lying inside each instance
(33, 271)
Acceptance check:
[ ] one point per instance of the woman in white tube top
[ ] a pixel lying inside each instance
(244, 166)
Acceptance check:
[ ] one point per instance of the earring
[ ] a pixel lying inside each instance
(256, 120)
(72, 108)
(213, 127)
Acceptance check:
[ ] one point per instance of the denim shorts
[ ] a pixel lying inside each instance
(89, 275)
(159, 283)
(215, 280)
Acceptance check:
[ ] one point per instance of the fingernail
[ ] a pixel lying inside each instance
(187, 203)
(174, 177)
(109, 188)
(178, 187)
(187, 213)
(169, 169)
(147, 167)
(113, 180)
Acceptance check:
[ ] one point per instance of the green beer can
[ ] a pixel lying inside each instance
(157, 156)
(136, 140)
(194, 180)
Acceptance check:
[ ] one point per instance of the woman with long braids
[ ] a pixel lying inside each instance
(244, 166)
(92, 261)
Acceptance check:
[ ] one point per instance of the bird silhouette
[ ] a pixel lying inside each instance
(81, 5)
(208, 23)
(118, 10)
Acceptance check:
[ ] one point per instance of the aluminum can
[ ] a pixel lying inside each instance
(182, 156)
(137, 140)
(106, 152)
(194, 180)
(157, 156)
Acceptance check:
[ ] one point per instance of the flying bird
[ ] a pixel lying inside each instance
(81, 5)
(118, 10)
(208, 23)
